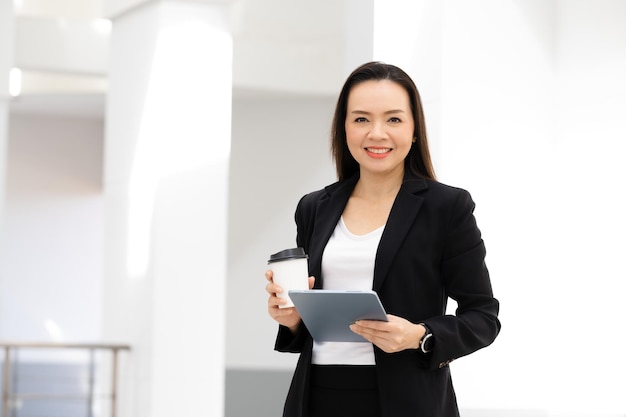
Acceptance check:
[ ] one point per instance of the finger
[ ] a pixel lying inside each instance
(363, 333)
(273, 288)
(361, 330)
(380, 337)
(375, 325)
(275, 302)
(281, 314)
(269, 275)
(311, 282)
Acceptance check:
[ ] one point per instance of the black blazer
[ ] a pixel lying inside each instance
(430, 249)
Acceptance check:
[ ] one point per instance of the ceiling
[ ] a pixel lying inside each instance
(281, 29)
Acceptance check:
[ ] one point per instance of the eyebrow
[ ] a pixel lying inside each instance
(394, 111)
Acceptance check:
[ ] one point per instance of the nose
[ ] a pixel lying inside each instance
(378, 131)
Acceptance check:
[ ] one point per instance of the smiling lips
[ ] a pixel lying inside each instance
(378, 153)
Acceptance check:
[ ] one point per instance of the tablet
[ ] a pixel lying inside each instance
(328, 314)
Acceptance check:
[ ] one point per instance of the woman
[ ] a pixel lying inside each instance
(387, 225)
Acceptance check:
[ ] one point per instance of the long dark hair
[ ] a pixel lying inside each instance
(418, 160)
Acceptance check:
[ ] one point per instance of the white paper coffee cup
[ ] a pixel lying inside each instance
(290, 271)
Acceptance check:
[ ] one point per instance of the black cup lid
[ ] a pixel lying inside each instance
(283, 255)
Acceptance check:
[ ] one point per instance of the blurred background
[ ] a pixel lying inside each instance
(152, 154)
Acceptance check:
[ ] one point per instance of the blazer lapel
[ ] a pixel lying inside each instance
(328, 213)
(402, 215)
(329, 210)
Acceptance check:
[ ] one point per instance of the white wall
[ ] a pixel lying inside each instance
(285, 46)
(280, 151)
(496, 98)
(51, 267)
(532, 124)
(586, 198)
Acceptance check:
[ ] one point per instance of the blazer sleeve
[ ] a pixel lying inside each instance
(304, 215)
(466, 280)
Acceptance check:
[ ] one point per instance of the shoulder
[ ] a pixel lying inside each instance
(311, 200)
(440, 188)
(448, 196)
(431, 189)
(307, 206)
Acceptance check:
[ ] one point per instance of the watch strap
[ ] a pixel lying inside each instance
(425, 341)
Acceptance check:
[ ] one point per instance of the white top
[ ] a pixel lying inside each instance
(348, 264)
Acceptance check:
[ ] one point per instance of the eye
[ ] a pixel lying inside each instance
(360, 120)
(395, 120)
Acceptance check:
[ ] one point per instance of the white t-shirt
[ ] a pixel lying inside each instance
(348, 264)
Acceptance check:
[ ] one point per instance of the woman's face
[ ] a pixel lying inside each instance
(379, 126)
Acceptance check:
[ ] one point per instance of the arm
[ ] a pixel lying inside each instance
(466, 280)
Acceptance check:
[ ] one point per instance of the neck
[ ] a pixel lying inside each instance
(376, 186)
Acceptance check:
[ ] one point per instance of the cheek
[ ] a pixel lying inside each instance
(352, 146)
(352, 136)
(353, 143)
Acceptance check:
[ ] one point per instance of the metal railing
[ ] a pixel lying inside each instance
(8, 396)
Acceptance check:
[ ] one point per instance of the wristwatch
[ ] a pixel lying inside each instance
(427, 342)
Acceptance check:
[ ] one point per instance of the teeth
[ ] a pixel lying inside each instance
(378, 150)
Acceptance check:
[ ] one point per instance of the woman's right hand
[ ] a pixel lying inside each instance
(289, 316)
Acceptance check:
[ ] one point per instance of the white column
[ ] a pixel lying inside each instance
(7, 24)
(167, 152)
(6, 62)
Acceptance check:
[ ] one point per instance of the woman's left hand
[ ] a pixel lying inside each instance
(394, 335)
